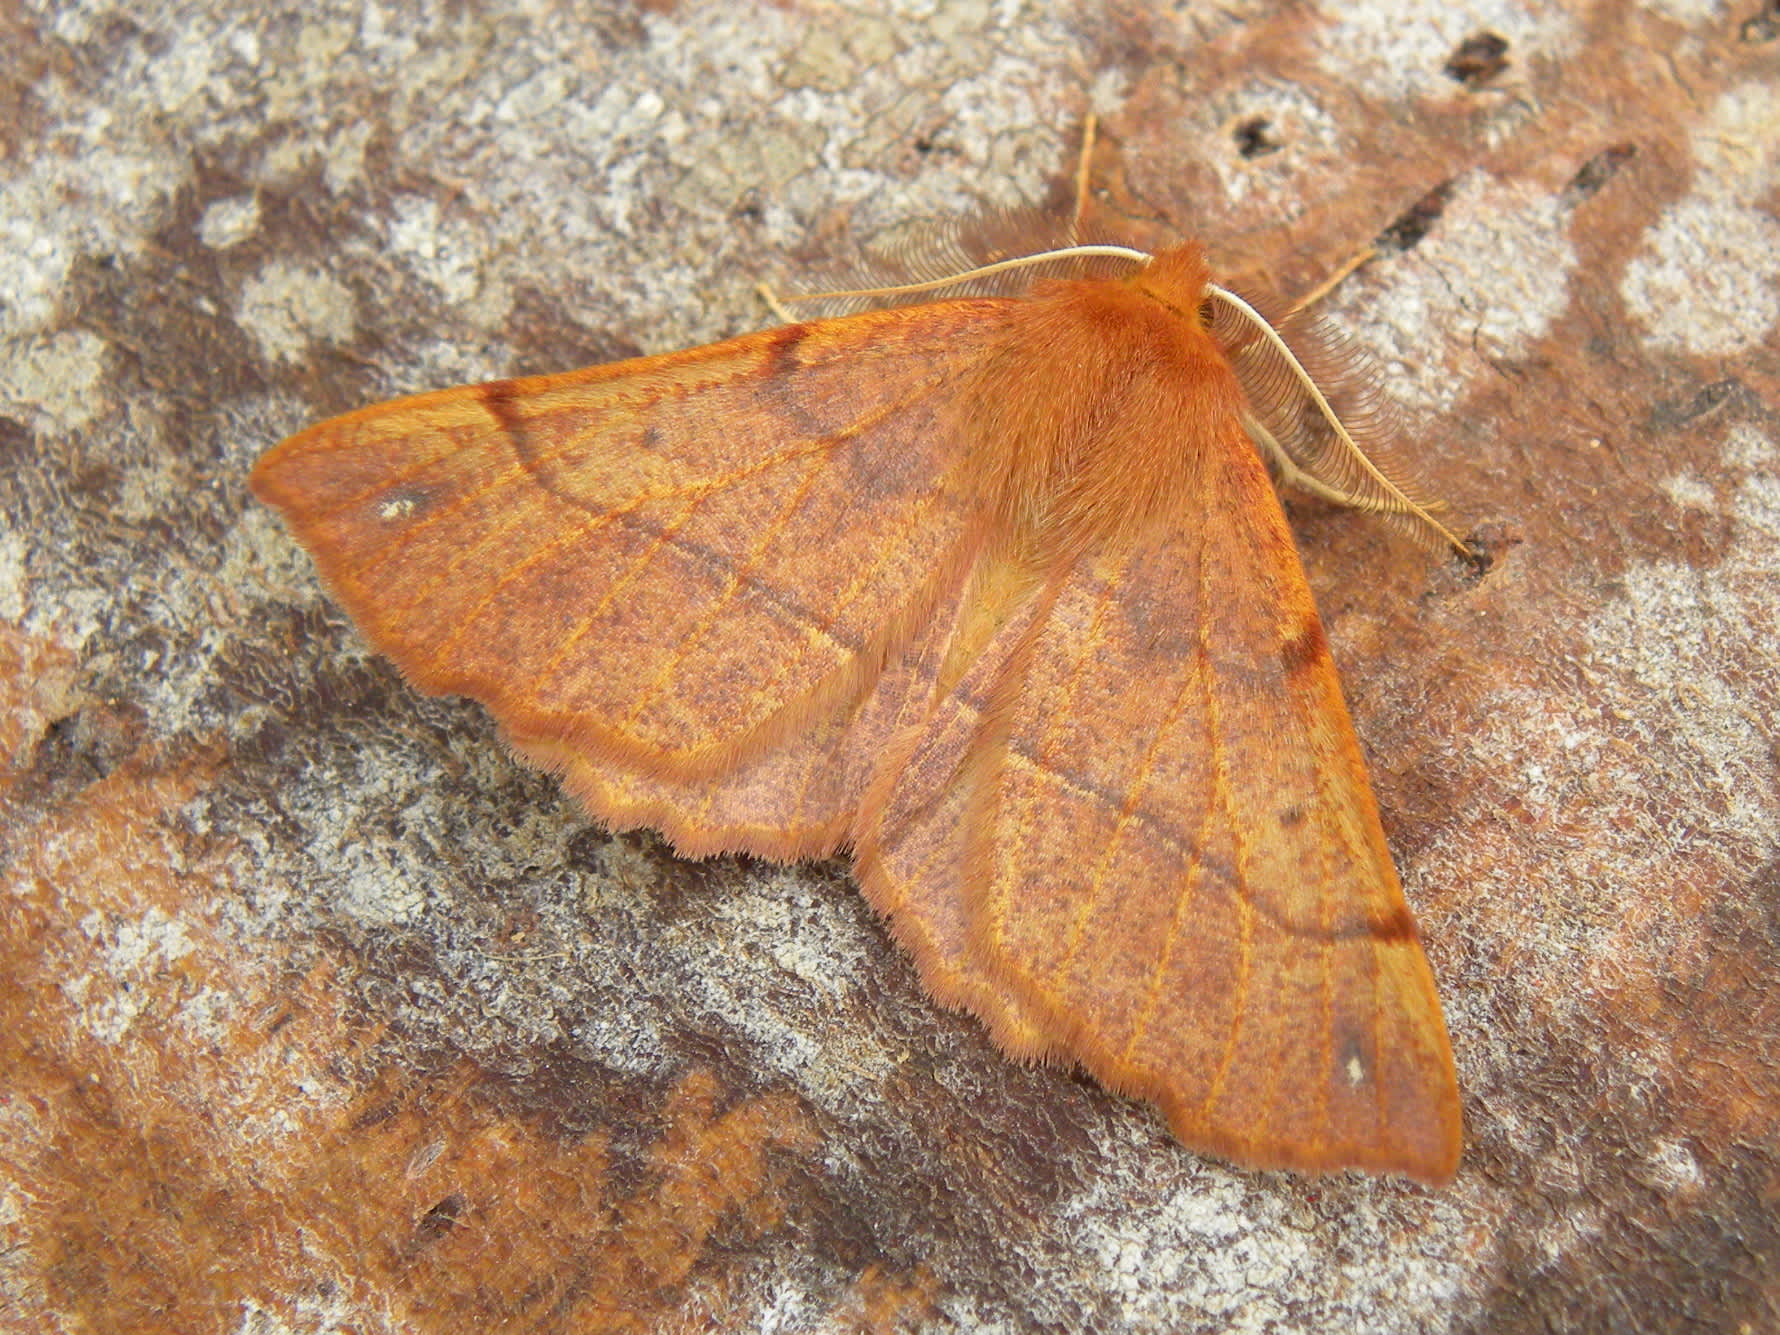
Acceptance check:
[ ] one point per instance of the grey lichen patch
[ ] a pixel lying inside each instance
(58, 381)
(831, 56)
(1688, 12)
(343, 157)
(443, 250)
(1747, 448)
(13, 578)
(258, 553)
(289, 308)
(1687, 490)
(131, 954)
(1230, 1251)
(795, 947)
(1489, 281)
(375, 887)
(229, 222)
(1707, 280)
(768, 160)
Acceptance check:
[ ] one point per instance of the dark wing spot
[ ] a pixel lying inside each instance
(786, 342)
(1399, 926)
(499, 398)
(1305, 649)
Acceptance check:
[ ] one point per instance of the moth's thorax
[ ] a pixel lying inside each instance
(1098, 410)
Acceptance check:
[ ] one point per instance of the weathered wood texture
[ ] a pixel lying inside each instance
(322, 1012)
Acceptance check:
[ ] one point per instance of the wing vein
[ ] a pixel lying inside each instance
(1091, 641)
(860, 583)
(738, 576)
(1219, 777)
(596, 520)
(1191, 861)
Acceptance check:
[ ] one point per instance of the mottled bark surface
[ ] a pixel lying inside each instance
(322, 1012)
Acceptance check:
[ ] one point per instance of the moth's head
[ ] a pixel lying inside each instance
(1179, 278)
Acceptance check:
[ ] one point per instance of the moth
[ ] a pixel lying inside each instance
(992, 591)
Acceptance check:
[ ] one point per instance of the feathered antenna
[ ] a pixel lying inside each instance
(997, 254)
(987, 279)
(1312, 401)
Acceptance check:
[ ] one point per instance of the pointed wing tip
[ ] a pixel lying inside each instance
(272, 480)
(263, 480)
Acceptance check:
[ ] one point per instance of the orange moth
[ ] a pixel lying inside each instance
(995, 592)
